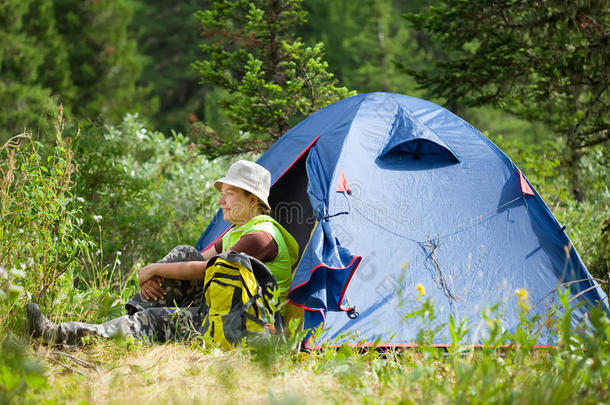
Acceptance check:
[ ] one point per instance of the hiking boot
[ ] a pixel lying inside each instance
(40, 326)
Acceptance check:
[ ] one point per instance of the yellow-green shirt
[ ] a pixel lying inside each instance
(287, 248)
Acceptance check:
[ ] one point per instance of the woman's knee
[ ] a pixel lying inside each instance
(182, 253)
(183, 249)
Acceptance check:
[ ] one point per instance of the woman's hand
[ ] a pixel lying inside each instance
(152, 290)
(150, 283)
(146, 273)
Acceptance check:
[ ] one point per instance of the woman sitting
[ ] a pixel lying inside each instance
(168, 305)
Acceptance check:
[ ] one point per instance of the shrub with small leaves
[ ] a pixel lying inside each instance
(143, 192)
(41, 240)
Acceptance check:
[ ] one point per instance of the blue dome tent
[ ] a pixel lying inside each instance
(384, 192)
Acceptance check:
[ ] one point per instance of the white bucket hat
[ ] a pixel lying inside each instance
(249, 176)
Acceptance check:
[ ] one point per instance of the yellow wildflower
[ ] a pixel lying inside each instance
(421, 291)
(523, 299)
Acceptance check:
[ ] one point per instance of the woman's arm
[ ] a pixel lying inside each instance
(258, 244)
(151, 287)
(176, 271)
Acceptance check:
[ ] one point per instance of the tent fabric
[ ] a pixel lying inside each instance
(430, 201)
(410, 136)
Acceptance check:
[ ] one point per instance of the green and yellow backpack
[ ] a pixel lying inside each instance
(238, 296)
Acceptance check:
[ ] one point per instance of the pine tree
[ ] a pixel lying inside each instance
(271, 78)
(104, 62)
(364, 40)
(32, 63)
(70, 52)
(168, 38)
(544, 61)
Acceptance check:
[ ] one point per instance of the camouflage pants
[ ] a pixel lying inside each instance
(153, 324)
(174, 317)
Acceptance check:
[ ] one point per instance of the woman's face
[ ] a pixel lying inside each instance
(236, 206)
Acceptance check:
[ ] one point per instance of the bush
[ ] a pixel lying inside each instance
(143, 192)
(41, 240)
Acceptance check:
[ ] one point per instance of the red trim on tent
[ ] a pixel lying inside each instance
(356, 258)
(296, 304)
(415, 345)
(298, 157)
(525, 187)
(330, 268)
(214, 241)
(359, 258)
(342, 185)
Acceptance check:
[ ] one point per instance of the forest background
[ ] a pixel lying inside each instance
(117, 115)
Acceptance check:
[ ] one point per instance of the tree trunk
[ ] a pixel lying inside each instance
(572, 163)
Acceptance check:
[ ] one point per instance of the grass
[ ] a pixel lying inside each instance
(125, 371)
(106, 373)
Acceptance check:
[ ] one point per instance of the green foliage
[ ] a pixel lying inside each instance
(364, 39)
(545, 61)
(69, 52)
(40, 228)
(272, 79)
(18, 372)
(72, 239)
(31, 62)
(167, 36)
(143, 193)
(103, 61)
(551, 375)
(499, 57)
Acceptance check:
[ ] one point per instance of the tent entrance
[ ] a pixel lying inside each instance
(290, 204)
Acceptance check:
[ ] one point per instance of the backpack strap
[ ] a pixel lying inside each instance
(267, 282)
(263, 276)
